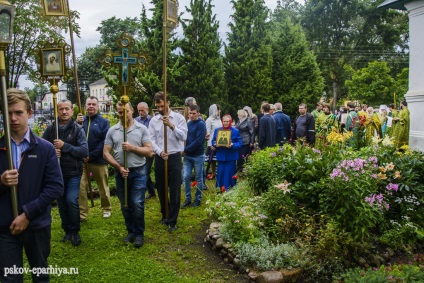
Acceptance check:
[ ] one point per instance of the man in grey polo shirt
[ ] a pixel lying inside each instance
(138, 146)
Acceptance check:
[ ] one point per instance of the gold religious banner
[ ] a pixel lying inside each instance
(54, 7)
(125, 61)
(172, 14)
(51, 58)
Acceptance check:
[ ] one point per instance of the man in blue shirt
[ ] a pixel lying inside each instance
(193, 156)
(144, 118)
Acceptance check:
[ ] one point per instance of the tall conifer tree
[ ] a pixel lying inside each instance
(202, 68)
(248, 55)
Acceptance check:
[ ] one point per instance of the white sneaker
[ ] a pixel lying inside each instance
(106, 214)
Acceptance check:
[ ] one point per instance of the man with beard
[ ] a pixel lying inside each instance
(401, 135)
(176, 127)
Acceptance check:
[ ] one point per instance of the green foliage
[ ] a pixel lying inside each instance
(373, 84)
(384, 274)
(202, 69)
(30, 27)
(248, 60)
(110, 29)
(295, 73)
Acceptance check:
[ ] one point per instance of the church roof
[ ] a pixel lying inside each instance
(394, 4)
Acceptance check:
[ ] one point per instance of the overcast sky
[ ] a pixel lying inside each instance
(92, 12)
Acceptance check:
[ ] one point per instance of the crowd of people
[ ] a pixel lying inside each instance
(59, 165)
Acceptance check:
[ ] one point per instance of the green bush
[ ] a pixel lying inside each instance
(384, 274)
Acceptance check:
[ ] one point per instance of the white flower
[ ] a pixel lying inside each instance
(284, 186)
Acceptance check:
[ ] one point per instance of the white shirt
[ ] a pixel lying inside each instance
(211, 125)
(175, 138)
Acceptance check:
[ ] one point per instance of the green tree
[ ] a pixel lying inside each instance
(248, 58)
(152, 78)
(202, 68)
(110, 29)
(373, 84)
(295, 73)
(31, 27)
(352, 32)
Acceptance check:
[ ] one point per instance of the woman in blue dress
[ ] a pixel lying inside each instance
(227, 155)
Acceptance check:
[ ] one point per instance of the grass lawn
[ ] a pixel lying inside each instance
(178, 257)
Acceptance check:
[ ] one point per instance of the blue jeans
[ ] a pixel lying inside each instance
(195, 162)
(136, 186)
(68, 205)
(37, 249)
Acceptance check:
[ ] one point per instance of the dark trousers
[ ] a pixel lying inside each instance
(37, 249)
(174, 185)
(150, 185)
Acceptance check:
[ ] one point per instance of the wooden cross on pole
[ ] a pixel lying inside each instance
(125, 62)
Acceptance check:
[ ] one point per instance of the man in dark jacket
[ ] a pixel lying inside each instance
(193, 156)
(304, 126)
(283, 124)
(71, 148)
(40, 183)
(95, 128)
(267, 128)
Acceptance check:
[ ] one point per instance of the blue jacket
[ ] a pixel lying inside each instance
(228, 154)
(283, 124)
(195, 138)
(40, 183)
(96, 137)
(267, 132)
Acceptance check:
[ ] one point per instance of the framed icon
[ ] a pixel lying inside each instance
(172, 11)
(55, 7)
(223, 138)
(52, 62)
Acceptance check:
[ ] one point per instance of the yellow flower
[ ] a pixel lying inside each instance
(397, 175)
(382, 176)
(382, 169)
(390, 166)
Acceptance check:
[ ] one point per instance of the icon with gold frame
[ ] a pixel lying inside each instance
(172, 11)
(54, 7)
(52, 61)
(223, 138)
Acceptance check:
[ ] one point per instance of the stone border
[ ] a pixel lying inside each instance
(228, 253)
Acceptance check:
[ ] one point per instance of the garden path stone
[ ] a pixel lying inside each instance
(270, 277)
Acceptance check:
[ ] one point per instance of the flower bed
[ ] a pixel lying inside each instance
(324, 212)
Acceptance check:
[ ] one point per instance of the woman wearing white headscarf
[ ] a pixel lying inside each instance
(213, 122)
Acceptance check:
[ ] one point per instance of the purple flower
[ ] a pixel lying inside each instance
(392, 187)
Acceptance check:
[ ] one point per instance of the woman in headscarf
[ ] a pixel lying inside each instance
(253, 118)
(213, 122)
(245, 127)
(227, 155)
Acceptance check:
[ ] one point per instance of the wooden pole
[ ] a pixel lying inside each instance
(165, 130)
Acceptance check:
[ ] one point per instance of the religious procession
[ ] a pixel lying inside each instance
(164, 154)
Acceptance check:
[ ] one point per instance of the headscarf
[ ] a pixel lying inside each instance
(384, 107)
(189, 101)
(231, 121)
(213, 111)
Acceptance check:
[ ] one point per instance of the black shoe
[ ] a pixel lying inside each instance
(195, 203)
(129, 238)
(149, 196)
(163, 221)
(66, 238)
(139, 241)
(172, 228)
(186, 203)
(75, 239)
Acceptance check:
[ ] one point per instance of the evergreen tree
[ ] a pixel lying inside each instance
(152, 77)
(248, 56)
(202, 69)
(295, 73)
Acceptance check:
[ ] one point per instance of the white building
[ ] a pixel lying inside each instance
(99, 90)
(415, 94)
(47, 101)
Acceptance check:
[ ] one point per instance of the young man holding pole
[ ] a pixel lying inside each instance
(38, 175)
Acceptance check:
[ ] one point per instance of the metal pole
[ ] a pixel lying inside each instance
(55, 89)
(165, 130)
(6, 124)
